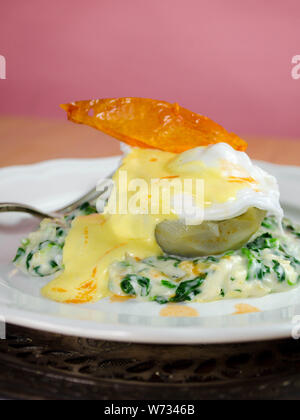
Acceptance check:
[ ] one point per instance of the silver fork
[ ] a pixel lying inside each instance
(23, 208)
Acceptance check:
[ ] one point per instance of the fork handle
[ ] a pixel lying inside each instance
(20, 208)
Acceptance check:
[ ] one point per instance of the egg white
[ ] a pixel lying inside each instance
(265, 197)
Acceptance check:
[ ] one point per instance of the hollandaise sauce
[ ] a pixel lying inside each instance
(89, 256)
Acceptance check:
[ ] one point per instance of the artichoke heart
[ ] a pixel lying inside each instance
(209, 238)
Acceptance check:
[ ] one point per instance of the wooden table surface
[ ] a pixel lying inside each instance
(29, 140)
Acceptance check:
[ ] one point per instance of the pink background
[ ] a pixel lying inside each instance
(228, 59)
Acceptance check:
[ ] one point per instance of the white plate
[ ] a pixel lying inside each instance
(52, 184)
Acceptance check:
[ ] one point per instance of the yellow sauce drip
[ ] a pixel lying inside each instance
(243, 308)
(178, 311)
(116, 298)
(95, 242)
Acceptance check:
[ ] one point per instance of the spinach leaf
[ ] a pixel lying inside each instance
(60, 232)
(256, 268)
(125, 264)
(264, 241)
(250, 257)
(279, 270)
(262, 270)
(293, 283)
(37, 271)
(159, 299)
(206, 260)
(20, 253)
(289, 227)
(50, 273)
(211, 259)
(47, 244)
(70, 218)
(177, 261)
(128, 287)
(87, 209)
(28, 260)
(294, 261)
(168, 284)
(144, 282)
(229, 253)
(53, 264)
(187, 290)
(269, 223)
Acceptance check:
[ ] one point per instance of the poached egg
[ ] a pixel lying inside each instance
(231, 185)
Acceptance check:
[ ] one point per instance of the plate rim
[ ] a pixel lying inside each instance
(151, 335)
(138, 334)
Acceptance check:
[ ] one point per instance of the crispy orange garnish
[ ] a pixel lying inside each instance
(148, 123)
